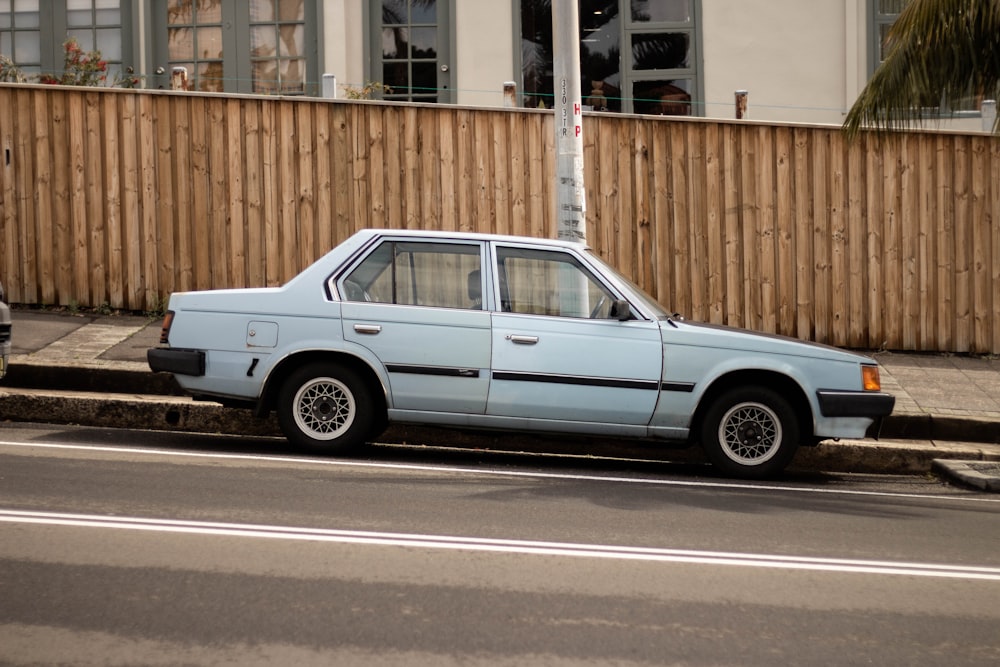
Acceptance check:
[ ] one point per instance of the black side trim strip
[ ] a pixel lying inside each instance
(576, 380)
(683, 387)
(433, 370)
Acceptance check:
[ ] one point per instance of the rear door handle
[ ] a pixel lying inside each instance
(370, 329)
(522, 340)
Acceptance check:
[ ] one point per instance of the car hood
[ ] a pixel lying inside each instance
(683, 332)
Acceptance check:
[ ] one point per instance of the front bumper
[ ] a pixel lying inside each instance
(840, 403)
(179, 362)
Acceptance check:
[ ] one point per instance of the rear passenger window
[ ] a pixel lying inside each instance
(439, 275)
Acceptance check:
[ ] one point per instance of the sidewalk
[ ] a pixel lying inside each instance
(91, 370)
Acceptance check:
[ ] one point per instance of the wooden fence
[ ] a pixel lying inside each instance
(118, 198)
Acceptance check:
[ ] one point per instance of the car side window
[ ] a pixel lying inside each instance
(438, 275)
(543, 282)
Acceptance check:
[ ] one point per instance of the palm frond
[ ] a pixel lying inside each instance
(938, 51)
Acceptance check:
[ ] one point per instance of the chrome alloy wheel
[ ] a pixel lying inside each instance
(750, 433)
(324, 408)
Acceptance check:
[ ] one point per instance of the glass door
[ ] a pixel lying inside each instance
(410, 50)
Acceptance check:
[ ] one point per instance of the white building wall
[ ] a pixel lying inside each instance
(343, 42)
(792, 57)
(483, 53)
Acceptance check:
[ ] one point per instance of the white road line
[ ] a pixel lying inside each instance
(525, 547)
(340, 463)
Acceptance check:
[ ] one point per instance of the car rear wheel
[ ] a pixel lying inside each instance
(326, 408)
(750, 432)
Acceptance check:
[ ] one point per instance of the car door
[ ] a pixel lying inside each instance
(417, 306)
(557, 352)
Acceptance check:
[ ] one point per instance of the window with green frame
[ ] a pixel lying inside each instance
(32, 33)
(636, 56)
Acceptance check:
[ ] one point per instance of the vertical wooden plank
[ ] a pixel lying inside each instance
(821, 232)
(874, 193)
(411, 170)
(927, 256)
(699, 225)
(839, 250)
(625, 216)
(662, 223)
(220, 275)
(307, 252)
(464, 168)
(254, 197)
(63, 242)
(324, 178)
(166, 203)
(909, 230)
(945, 240)
(51, 134)
(765, 317)
(641, 206)
(785, 229)
(607, 202)
(446, 119)
(78, 198)
(857, 290)
(147, 204)
(518, 162)
(103, 205)
(892, 270)
(394, 198)
(376, 167)
(288, 218)
(236, 218)
(681, 219)
(805, 273)
(10, 257)
(537, 204)
(131, 216)
(201, 199)
(980, 239)
(485, 212)
(184, 175)
(501, 176)
(343, 222)
(962, 269)
(739, 215)
(430, 168)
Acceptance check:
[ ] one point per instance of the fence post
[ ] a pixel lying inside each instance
(741, 104)
(179, 78)
(509, 94)
(330, 86)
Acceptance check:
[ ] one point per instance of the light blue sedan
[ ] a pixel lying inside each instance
(506, 333)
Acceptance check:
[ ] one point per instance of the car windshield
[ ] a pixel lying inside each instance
(647, 301)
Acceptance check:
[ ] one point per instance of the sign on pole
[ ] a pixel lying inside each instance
(571, 207)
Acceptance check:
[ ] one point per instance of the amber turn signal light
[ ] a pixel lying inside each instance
(168, 319)
(870, 379)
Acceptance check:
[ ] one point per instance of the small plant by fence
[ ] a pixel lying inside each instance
(121, 197)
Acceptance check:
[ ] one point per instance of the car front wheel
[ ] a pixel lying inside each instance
(750, 432)
(326, 408)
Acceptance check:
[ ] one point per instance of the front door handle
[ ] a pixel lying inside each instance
(370, 329)
(522, 340)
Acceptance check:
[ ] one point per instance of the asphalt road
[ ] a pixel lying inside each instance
(121, 547)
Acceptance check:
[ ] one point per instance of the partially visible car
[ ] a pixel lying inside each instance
(508, 333)
(5, 334)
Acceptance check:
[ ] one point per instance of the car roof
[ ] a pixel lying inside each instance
(471, 236)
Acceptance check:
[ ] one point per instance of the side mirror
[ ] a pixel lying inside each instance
(620, 310)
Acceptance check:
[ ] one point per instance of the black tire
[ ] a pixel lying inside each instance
(326, 408)
(750, 433)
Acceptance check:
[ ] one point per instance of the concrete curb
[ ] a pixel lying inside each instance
(179, 414)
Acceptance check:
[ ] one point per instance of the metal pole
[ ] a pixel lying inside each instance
(989, 111)
(571, 206)
(330, 86)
